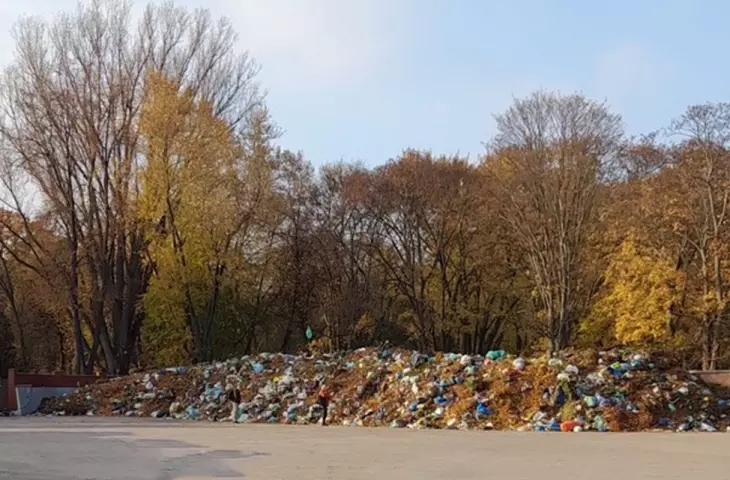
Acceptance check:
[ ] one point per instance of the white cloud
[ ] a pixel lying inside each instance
(313, 42)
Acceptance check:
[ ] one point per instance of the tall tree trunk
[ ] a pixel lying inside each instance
(74, 295)
(706, 333)
(706, 341)
(717, 318)
(120, 308)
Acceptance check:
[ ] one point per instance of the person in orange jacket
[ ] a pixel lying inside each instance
(323, 399)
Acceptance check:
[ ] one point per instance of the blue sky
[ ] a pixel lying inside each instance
(364, 79)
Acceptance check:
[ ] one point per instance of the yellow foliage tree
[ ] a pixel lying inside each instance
(188, 193)
(636, 307)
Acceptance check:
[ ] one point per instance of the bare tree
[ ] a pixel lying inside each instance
(350, 281)
(551, 153)
(295, 244)
(70, 105)
(425, 210)
(702, 172)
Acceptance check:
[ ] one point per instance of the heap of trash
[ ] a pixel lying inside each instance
(579, 391)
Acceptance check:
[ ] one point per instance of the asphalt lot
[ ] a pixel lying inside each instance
(123, 449)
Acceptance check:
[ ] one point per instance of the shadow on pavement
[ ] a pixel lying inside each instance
(43, 455)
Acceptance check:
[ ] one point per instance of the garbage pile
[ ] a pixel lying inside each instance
(580, 391)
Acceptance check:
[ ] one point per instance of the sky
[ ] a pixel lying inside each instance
(361, 80)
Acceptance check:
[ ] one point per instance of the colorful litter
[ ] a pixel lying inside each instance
(580, 391)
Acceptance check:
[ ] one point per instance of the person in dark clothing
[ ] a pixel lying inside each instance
(234, 397)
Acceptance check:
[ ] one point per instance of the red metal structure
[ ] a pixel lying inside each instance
(41, 380)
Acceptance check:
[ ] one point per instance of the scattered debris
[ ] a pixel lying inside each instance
(580, 391)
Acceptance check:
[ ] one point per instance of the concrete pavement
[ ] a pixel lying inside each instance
(124, 449)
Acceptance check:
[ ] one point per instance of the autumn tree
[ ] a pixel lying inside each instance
(401, 198)
(71, 101)
(204, 193)
(701, 173)
(250, 294)
(550, 156)
(351, 299)
(297, 274)
(148, 216)
(640, 292)
(429, 244)
(671, 192)
(36, 330)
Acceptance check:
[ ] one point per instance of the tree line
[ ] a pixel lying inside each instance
(149, 217)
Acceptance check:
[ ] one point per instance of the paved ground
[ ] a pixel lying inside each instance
(120, 449)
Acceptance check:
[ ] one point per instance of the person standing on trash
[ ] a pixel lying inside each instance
(233, 395)
(323, 400)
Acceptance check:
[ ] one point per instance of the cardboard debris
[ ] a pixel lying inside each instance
(581, 391)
